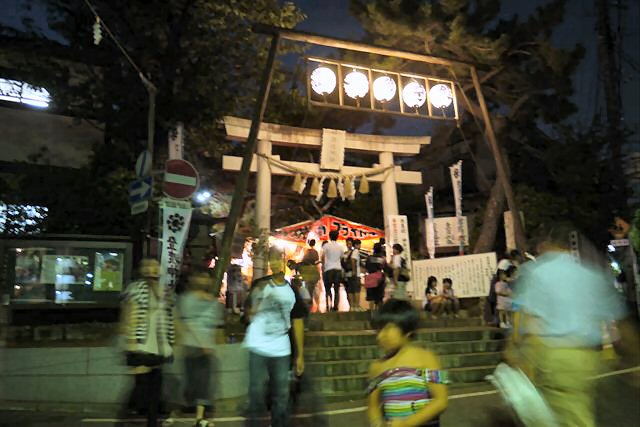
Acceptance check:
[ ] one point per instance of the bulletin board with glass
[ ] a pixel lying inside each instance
(65, 274)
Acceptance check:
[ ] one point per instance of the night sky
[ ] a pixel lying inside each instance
(331, 17)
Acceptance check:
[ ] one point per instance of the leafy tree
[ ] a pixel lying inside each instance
(201, 55)
(526, 80)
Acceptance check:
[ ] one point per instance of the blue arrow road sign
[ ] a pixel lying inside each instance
(140, 190)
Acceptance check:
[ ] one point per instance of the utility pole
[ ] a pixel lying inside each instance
(243, 177)
(608, 47)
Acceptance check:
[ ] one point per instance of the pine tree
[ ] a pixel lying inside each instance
(525, 79)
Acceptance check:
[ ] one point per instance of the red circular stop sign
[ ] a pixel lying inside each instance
(180, 179)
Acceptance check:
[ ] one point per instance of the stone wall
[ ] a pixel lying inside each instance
(89, 379)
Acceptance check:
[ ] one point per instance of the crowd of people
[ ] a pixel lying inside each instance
(556, 338)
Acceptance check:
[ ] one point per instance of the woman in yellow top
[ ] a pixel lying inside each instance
(407, 386)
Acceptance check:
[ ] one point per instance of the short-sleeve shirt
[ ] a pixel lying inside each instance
(268, 332)
(503, 302)
(569, 300)
(332, 252)
(201, 317)
(355, 255)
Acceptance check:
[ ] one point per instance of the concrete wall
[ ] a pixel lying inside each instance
(93, 378)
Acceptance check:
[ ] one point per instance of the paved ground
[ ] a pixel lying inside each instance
(618, 406)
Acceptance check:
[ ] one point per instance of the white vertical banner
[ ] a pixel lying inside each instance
(456, 181)
(176, 143)
(397, 231)
(430, 232)
(332, 149)
(176, 217)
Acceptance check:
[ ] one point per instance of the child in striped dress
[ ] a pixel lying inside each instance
(407, 386)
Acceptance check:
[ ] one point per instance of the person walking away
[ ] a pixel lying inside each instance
(407, 386)
(148, 321)
(452, 303)
(374, 281)
(332, 269)
(353, 276)
(310, 274)
(202, 327)
(503, 299)
(273, 312)
(563, 306)
(236, 289)
(435, 303)
(400, 271)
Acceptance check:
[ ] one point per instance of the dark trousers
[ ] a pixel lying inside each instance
(276, 371)
(332, 278)
(146, 394)
(197, 376)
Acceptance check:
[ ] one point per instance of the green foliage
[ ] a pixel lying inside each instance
(541, 209)
(201, 55)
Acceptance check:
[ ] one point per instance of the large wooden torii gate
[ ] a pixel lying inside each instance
(273, 134)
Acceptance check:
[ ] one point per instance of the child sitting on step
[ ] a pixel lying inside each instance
(407, 386)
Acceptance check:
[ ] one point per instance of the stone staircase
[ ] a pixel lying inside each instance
(340, 346)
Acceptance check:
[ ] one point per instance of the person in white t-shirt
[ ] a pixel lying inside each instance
(398, 262)
(353, 276)
(275, 308)
(332, 269)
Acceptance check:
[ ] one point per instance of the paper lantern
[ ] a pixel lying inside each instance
(323, 80)
(440, 96)
(384, 89)
(356, 84)
(414, 94)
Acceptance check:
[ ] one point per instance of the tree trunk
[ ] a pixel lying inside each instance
(491, 219)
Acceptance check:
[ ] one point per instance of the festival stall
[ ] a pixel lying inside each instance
(319, 230)
(292, 240)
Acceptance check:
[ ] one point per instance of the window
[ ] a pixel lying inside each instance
(23, 93)
(22, 219)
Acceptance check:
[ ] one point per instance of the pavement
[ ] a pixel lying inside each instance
(618, 398)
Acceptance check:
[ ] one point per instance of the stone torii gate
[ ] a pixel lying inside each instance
(332, 160)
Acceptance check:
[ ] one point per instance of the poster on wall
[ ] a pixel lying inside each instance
(176, 217)
(108, 271)
(397, 231)
(471, 274)
(64, 269)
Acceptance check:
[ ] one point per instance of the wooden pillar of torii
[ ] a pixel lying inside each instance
(273, 134)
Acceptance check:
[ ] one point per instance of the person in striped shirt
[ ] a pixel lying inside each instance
(407, 385)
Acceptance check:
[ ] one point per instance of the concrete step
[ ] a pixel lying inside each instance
(333, 324)
(432, 335)
(366, 315)
(325, 354)
(361, 366)
(347, 384)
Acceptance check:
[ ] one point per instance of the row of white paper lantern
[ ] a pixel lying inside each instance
(356, 86)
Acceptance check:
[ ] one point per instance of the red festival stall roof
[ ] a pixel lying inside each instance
(300, 231)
